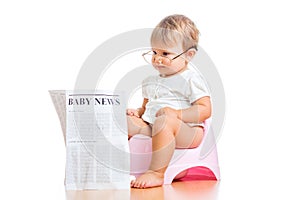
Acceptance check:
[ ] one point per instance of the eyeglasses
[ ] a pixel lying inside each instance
(149, 56)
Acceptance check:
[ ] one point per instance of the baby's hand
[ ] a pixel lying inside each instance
(132, 112)
(167, 111)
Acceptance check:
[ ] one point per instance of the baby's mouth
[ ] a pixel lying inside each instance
(160, 66)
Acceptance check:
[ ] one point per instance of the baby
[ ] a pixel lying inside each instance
(176, 101)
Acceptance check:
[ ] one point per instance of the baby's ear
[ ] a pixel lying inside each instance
(190, 54)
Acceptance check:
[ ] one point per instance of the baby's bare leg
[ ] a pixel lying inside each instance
(167, 133)
(137, 126)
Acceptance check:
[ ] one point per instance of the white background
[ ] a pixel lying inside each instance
(254, 45)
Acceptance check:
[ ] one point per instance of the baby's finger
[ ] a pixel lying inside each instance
(136, 113)
(129, 112)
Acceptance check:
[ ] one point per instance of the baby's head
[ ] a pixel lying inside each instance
(174, 30)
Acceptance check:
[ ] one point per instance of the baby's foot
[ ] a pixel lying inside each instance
(148, 179)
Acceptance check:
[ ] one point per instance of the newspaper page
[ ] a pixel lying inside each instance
(59, 101)
(96, 141)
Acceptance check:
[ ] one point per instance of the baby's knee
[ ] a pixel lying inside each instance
(164, 123)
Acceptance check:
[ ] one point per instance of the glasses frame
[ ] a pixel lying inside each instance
(171, 59)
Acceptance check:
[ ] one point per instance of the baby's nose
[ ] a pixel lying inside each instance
(158, 60)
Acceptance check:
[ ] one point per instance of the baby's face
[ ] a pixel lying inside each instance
(165, 61)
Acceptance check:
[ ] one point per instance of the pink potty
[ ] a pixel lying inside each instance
(199, 163)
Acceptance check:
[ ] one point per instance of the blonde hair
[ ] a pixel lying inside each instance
(175, 29)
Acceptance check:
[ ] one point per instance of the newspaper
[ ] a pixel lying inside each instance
(97, 151)
(59, 100)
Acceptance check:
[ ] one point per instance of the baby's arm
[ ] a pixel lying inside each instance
(198, 112)
(138, 112)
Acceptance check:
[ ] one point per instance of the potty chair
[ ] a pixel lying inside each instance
(200, 163)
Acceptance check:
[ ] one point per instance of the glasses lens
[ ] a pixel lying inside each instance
(148, 57)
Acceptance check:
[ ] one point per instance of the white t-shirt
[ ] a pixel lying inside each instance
(178, 92)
